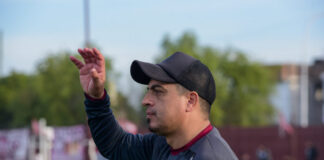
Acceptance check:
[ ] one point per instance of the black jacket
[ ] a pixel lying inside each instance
(116, 144)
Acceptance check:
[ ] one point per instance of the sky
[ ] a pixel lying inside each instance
(268, 31)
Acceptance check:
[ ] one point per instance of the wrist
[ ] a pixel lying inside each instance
(96, 98)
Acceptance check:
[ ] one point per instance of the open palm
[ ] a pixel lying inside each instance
(92, 72)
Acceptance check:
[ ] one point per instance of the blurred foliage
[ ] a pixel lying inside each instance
(53, 93)
(243, 87)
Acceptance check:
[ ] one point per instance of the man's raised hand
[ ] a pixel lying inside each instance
(92, 72)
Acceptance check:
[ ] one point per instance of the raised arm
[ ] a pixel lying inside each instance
(92, 72)
(112, 141)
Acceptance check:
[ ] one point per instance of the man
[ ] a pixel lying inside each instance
(310, 151)
(180, 91)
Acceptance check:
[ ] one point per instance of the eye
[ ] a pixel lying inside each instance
(157, 90)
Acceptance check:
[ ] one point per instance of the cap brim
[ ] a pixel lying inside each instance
(143, 72)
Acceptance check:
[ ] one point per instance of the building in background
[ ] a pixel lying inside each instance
(286, 97)
(316, 96)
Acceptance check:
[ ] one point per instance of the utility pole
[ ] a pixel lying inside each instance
(86, 23)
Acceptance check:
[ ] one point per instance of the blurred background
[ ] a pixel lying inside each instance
(267, 58)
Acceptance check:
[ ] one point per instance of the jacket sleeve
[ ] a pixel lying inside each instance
(112, 141)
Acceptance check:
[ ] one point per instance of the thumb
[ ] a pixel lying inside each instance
(95, 76)
(97, 90)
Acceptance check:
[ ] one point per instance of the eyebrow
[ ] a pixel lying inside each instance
(156, 86)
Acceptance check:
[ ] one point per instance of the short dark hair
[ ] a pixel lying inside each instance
(205, 106)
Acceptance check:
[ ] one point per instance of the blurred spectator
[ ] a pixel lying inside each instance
(263, 153)
(310, 151)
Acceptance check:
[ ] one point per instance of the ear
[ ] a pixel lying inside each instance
(193, 99)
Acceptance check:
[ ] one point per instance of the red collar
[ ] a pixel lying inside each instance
(193, 141)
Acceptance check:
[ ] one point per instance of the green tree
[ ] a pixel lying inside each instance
(53, 92)
(61, 99)
(16, 97)
(243, 87)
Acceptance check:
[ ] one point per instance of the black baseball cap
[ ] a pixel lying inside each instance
(178, 68)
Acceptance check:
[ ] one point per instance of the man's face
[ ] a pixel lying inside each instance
(165, 107)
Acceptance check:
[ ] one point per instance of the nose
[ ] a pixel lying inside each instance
(147, 100)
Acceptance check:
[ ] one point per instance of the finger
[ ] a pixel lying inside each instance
(77, 63)
(98, 54)
(85, 54)
(91, 55)
(82, 53)
(100, 59)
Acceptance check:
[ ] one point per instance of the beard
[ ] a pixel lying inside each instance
(152, 129)
(162, 131)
